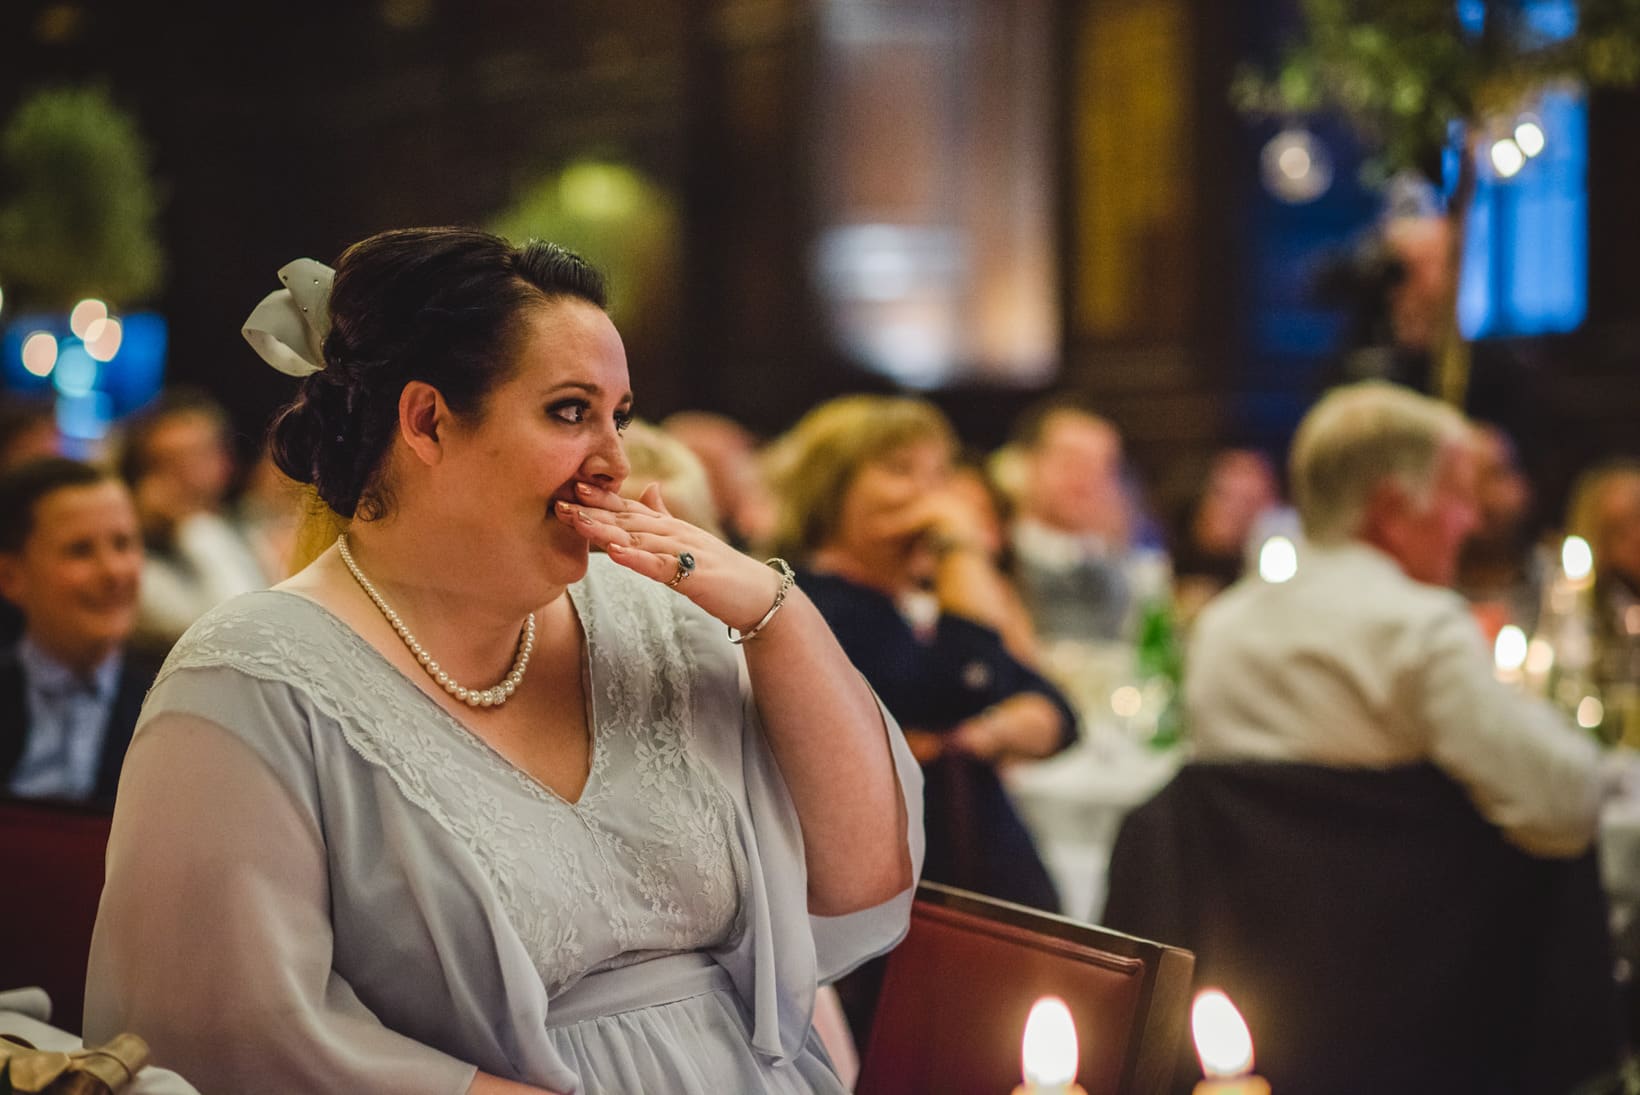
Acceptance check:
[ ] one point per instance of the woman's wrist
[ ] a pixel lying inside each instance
(946, 544)
(984, 735)
(787, 579)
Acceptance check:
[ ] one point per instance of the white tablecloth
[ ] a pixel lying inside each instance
(1073, 805)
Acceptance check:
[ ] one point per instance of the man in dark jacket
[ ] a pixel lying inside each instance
(70, 557)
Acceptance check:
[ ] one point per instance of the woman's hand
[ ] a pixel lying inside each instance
(819, 718)
(485, 1084)
(643, 536)
(1026, 725)
(939, 521)
(926, 746)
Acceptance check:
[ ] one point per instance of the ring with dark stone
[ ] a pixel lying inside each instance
(686, 567)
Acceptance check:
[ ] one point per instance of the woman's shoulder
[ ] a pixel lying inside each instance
(267, 632)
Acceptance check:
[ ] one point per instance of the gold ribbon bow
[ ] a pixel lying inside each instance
(100, 1070)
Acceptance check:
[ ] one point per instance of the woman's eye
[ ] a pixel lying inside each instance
(574, 412)
(623, 419)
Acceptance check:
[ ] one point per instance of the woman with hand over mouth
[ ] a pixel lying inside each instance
(464, 807)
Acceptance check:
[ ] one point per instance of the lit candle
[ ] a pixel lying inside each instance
(1048, 1055)
(1509, 653)
(1576, 561)
(1224, 1046)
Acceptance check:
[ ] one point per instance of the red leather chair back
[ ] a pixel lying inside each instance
(53, 856)
(958, 989)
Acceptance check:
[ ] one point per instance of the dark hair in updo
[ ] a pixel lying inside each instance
(441, 305)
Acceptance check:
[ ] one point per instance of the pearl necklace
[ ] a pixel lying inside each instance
(472, 697)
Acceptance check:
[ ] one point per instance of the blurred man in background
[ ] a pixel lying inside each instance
(1076, 560)
(28, 431)
(1362, 659)
(70, 560)
(178, 464)
(1500, 569)
(729, 453)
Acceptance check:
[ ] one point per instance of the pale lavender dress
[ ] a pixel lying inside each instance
(320, 881)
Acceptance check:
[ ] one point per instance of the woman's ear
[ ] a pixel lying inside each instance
(423, 420)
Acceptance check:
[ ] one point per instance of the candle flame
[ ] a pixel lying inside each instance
(1277, 560)
(1540, 656)
(1576, 559)
(1509, 652)
(1222, 1040)
(1048, 1053)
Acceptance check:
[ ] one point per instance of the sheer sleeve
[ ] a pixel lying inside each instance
(213, 940)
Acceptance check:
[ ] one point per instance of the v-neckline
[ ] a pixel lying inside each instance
(588, 695)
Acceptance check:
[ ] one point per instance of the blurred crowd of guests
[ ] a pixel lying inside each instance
(103, 565)
(946, 573)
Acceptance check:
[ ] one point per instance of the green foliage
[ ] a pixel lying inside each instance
(1402, 70)
(78, 213)
(612, 216)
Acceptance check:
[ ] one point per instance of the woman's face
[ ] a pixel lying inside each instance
(554, 422)
(878, 525)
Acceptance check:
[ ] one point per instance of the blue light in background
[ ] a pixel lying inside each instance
(1544, 21)
(76, 371)
(1525, 269)
(1472, 15)
(1549, 21)
(84, 417)
(90, 395)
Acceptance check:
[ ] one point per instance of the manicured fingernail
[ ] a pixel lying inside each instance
(583, 516)
(566, 507)
(615, 549)
(583, 488)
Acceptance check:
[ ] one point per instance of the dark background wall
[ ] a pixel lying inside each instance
(277, 137)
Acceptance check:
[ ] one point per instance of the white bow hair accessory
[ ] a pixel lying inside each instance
(288, 329)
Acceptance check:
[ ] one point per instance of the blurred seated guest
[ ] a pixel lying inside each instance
(269, 514)
(729, 453)
(1398, 283)
(1501, 571)
(1074, 536)
(176, 458)
(1212, 544)
(895, 560)
(992, 509)
(28, 431)
(656, 457)
(70, 557)
(1605, 511)
(1363, 659)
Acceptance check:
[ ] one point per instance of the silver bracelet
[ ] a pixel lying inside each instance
(787, 577)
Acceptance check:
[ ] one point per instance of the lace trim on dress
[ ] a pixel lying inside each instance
(640, 705)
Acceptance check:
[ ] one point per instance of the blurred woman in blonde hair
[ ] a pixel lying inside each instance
(1605, 511)
(896, 560)
(657, 457)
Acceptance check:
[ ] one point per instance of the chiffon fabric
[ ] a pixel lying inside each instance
(319, 880)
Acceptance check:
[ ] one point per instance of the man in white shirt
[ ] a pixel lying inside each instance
(1364, 658)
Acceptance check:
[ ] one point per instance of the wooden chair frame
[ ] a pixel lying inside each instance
(1161, 1002)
